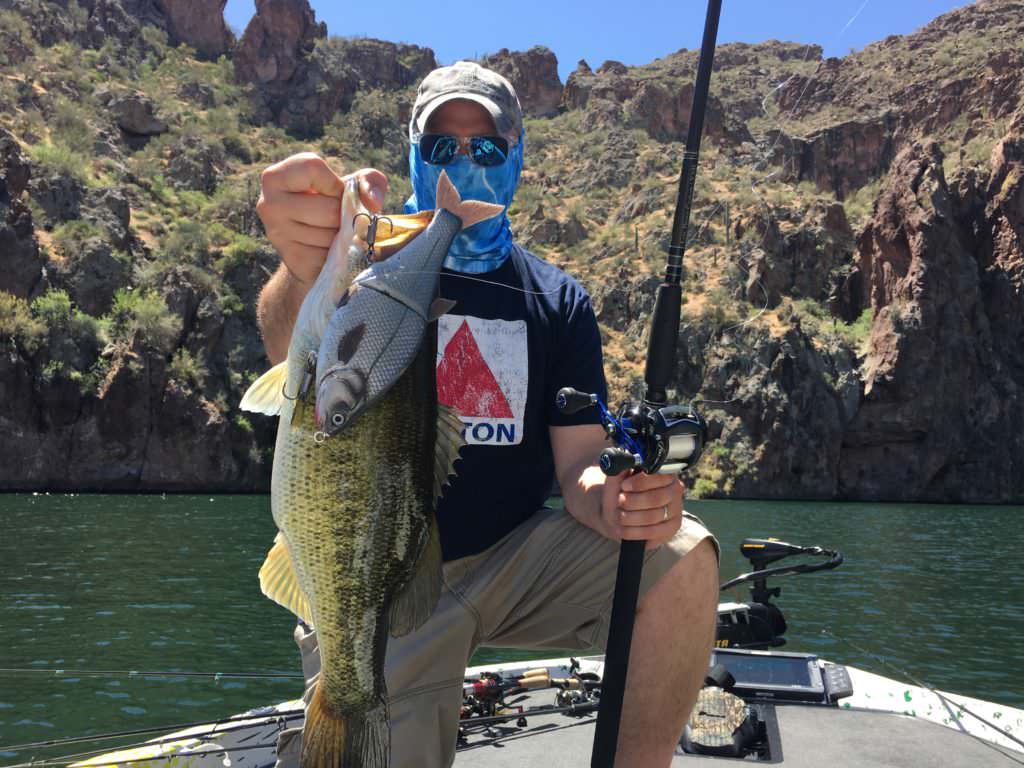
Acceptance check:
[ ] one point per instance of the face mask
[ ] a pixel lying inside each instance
(482, 247)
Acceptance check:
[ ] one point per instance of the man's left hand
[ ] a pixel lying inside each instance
(643, 507)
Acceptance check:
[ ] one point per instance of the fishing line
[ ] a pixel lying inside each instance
(854, 17)
(528, 292)
(65, 760)
(948, 702)
(765, 159)
(154, 673)
(242, 718)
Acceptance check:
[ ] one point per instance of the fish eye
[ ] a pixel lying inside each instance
(338, 419)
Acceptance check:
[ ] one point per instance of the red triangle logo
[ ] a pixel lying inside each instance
(465, 383)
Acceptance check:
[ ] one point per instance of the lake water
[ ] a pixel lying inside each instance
(168, 584)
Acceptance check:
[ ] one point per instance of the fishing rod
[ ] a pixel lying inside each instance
(652, 436)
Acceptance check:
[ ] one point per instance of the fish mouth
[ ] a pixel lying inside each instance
(340, 398)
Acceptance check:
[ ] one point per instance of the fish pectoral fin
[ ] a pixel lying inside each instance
(416, 600)
(280, 583)
(438, 307)
(446, 449)
(266, 394)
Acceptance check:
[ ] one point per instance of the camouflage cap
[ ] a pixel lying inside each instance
(468, 80)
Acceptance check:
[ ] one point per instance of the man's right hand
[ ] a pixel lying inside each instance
(300, 206)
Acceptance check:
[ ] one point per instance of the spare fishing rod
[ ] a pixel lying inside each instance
(652, 436)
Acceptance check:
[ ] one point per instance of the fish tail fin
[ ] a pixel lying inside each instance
(331, 740)
(470, 212)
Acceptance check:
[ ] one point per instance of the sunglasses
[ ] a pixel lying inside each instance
(441, 149)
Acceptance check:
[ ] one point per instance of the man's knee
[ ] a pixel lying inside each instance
(693, 580)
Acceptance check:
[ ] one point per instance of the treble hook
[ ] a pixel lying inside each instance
(371, 231)
(307, 379)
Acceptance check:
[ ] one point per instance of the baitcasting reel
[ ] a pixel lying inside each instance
(652, 438)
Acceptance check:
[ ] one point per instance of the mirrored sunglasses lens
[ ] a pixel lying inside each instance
(488, 150)
(438, 149)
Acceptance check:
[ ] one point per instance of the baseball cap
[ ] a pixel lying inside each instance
(468, 80)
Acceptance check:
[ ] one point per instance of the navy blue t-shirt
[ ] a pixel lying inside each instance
(502, 355)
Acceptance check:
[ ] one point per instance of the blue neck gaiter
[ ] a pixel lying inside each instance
(484, 246)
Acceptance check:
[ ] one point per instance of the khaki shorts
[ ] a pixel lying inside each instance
(546, 586)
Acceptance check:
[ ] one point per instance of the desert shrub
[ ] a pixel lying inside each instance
(155, 40)
(70, 235)
(58, 158)
(855, 335)
(235, 205)
(720, 310)
(17, 324)
(74, 337)
(143, 315)
(16, 41)
(70, 126)
(188, 369)
(237, 146)
(188, 243)
(240, 250)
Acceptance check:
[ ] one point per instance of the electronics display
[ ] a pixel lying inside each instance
(776, 676)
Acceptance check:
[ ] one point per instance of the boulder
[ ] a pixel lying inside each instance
(92, 274)
(534, 75)
(60, 197)
(110, 210)
(194, 164)
(135, 114)
(301, 80)
(199, 93)
(200, 24)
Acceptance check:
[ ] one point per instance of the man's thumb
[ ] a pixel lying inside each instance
(373, 188)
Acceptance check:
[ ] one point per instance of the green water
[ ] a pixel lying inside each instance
(169, 584)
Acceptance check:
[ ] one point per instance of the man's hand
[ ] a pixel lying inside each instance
(300, 206)
(642, 507)
(632, 507)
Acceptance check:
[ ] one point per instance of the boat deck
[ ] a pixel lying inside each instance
(810, 737)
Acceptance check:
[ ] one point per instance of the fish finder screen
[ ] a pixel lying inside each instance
(767, 670)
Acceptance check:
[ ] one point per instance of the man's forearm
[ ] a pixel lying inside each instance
(276, 310)
(582, 486)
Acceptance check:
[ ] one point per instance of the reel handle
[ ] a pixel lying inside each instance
(571, 400)
(615, 461)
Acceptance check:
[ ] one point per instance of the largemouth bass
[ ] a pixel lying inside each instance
(358, 553)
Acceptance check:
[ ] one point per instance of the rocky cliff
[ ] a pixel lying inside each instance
(853, 291)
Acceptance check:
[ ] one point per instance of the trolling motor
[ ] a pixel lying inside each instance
(654, 435)
(759, 623)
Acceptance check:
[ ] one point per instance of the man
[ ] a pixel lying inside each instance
(521, 329)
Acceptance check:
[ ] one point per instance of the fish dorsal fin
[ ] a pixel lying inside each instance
(416, 600)
(266, 394)
(279, 582)
(469, 212)
(449, 442)
(438, 307)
